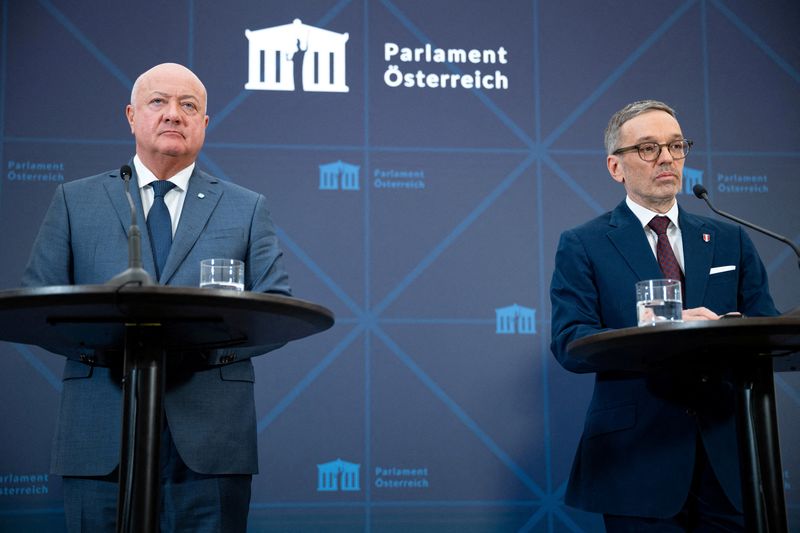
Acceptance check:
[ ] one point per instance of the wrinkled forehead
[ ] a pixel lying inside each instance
(654, 125)
(171, 81)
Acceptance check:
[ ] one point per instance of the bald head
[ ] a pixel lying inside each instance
(167, 116)
(171, 70)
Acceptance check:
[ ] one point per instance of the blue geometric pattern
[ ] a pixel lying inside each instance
(414, 375)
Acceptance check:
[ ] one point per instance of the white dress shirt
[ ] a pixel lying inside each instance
(673, 230)
(173, 199)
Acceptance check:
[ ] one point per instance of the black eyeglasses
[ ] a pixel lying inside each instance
(652, 151)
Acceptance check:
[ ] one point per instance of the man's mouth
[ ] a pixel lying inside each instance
(666, 175)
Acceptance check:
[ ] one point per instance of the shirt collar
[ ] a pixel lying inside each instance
(145, 176)
(646, 215)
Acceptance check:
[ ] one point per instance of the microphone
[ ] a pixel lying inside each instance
(134, 274)
(702, 193)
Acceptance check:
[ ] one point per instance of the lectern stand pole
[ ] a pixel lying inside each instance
(143, 392)
(757, 426)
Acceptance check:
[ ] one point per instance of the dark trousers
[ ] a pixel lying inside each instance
(190, 502)
(707, 508)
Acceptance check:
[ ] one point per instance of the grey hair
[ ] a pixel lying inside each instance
(628, 112)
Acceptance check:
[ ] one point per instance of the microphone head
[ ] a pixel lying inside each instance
(125, 172)
(699, 191)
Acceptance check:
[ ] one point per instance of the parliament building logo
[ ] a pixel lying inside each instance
(338, 176)
(337, 476)
(283, 57)
(515, 319)
(691, 177)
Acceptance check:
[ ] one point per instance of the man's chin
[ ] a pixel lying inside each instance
(171, 150)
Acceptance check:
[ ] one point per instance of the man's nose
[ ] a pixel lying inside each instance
(172, 112)
(664, 155)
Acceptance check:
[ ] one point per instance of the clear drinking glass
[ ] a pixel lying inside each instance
(658, 300)
(220, 273)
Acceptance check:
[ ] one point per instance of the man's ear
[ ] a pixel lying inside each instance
(615, 168)
(129, 115)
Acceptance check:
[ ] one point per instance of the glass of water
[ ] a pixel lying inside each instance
(221, 273)
(658, 300)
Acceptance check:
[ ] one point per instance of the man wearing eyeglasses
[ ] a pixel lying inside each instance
(658, 451)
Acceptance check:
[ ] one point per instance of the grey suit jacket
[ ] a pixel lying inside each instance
(209, 408)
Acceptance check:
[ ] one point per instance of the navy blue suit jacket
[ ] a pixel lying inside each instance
(210, 409)
(636, 454)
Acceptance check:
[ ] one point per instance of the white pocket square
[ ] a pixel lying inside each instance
(717, 270)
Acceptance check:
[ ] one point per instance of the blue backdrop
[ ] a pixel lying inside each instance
(420, 160)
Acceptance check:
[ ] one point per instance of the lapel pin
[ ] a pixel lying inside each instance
(201, 195)
(706, 237)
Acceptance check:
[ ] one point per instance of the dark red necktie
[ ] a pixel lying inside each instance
(666, 257)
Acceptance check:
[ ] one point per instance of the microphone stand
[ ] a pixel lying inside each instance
(702, 193)
(134, 274)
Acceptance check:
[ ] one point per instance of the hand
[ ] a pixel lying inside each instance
(699, 313)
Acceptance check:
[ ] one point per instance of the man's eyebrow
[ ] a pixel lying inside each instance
(652, 138)
(181, 97)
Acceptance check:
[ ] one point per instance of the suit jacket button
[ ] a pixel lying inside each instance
(227, 358)
(691, 412)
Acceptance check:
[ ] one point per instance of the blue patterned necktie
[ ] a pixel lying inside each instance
(159, 224)
(666, 257)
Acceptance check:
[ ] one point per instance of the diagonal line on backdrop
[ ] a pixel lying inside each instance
(757, 40)
(554, 509)
(567, 520)
(290, 244)
(617, 73)
(500, 114)
(465, 419)
(242, 96)
(555, 505)
(457, 231)
(332, 13)
(540, 513)
(309, 378)
(36, 363)
(227, 110)
(782, 257)
(572, 184)
(79, 35)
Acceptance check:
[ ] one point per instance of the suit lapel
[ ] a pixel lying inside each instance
(115, 189)
(629, 239)
(201, 199)
(698, 253)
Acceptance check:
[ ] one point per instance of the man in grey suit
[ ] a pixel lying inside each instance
(208, 445)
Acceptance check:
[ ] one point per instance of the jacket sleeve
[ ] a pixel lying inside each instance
(575, 300)
(264, 256)
(753, 292)
(50, 261)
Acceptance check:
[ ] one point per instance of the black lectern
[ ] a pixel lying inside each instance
(752, 348)
(137, 328)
